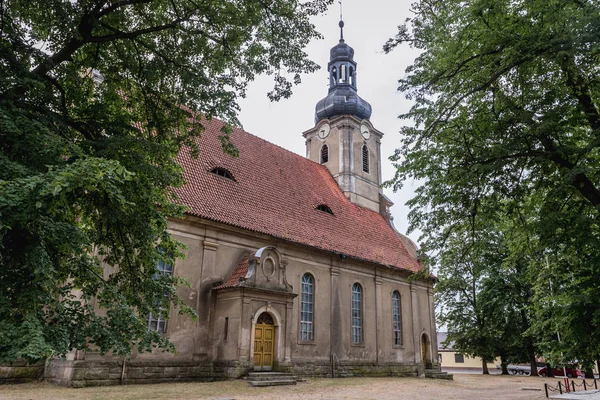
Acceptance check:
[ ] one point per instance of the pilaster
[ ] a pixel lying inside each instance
(379, 343)
(415, 323)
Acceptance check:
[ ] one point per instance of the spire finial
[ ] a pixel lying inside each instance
(341, 24)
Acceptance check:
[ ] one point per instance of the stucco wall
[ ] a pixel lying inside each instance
(213, 254)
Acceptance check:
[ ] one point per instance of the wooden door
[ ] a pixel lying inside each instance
(264, 345)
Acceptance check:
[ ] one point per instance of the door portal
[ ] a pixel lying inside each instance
(425, 353)
(264, 343)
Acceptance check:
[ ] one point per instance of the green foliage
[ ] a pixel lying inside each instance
(506, 142)
(88, 161)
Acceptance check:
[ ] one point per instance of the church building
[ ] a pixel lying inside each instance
(294, 262)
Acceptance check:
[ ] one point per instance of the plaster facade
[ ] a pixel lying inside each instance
(220, 343)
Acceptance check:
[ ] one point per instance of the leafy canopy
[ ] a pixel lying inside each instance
(91, 121)
(506, 125)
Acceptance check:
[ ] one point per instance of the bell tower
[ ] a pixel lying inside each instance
(343, 138)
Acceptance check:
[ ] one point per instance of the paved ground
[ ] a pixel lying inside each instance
(463, 387)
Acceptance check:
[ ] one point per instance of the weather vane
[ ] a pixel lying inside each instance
(341, 24)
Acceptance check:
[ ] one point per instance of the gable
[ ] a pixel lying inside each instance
(277, 192)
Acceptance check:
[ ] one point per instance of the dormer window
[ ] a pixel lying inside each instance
(222, 172)
(324, 154)
(324, 208)
(365, 158)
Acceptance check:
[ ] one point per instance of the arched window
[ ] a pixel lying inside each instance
(324, 154)
(334, 75)
(307, 332)
(397, 318)
(357, 328)
(343, 73)
(351, 76)
(365, 158)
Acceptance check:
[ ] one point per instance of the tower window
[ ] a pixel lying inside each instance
(324, 208)
(222, 172)
(342, 73)
(334, 75)
(365, 158)
(324, 154)
(351, 76)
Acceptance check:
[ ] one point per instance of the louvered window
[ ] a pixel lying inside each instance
(324, 154)
(365, 159)
(307, 308)
(357, 323)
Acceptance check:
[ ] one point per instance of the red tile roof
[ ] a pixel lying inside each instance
(275, 192)
(240, 272)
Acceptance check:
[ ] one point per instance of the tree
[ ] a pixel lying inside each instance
(97, 98)
(458, 294)
(484, 294)
(506, 114)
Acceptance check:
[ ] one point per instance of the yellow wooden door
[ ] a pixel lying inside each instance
(264, 343)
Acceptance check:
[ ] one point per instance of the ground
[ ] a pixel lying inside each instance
(463, 387)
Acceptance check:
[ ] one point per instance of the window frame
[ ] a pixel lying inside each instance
(459, 358)
(324, 150)
(358, 337)
(161, 268)
(223, 173)
(309, 322)
(397, 319)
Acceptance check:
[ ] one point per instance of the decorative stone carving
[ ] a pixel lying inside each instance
(272, 267)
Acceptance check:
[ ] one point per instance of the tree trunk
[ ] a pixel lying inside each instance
(598, 365)
(532, 360)
(485, 368)
(549, 371)
(503, 363)
(589, 372)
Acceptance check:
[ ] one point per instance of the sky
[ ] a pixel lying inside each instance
(368, 25)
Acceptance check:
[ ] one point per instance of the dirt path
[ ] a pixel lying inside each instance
(463, 387)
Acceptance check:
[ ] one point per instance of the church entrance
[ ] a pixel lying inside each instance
(264, 342)
(425, 352)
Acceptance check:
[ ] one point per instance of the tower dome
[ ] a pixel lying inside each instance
(342, 98)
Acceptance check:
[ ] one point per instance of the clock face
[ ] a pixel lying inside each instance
(365, 132)
(324, 131)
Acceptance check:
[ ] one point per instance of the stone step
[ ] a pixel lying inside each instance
(268, 373)
(269, 376)
(278, 382)
(438, 375)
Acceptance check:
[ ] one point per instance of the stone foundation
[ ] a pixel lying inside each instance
(232, 369)
(21, 372)
(81, 373)
(349, 369)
